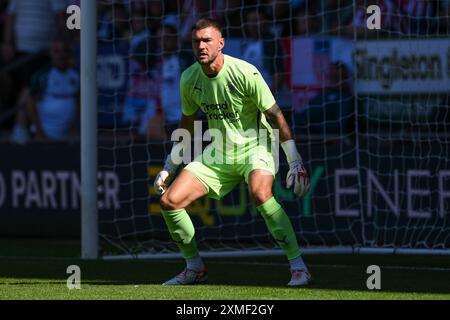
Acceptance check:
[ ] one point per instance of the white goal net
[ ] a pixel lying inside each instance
(369, 109)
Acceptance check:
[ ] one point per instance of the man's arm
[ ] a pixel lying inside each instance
(297, 174)
(165, 177)
(277, 120)
(187, 122)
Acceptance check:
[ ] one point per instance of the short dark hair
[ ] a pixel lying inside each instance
(206, 22)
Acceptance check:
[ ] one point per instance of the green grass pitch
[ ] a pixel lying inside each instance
(36, 269)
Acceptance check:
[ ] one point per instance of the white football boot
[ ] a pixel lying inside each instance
(299, 277)
(187, 277)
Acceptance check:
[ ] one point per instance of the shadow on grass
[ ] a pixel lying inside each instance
(409, 274)
(222, 272)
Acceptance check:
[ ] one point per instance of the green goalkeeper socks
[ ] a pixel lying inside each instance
(280, 227)
(182, 231)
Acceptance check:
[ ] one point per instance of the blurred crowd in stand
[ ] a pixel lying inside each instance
(39, 71)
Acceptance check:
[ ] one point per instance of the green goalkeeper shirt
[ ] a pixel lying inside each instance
(233, 102)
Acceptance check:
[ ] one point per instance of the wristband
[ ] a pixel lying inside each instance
(290, 149)
(170, 164)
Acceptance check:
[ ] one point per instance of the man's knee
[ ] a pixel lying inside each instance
(168, 202)
(261, 195)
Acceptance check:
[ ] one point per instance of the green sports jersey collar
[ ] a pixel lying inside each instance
(221, 72)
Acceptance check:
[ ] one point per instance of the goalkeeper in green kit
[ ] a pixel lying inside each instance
(235, 99)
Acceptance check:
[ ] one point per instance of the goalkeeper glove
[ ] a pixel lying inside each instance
(297, 174)
(165, 177)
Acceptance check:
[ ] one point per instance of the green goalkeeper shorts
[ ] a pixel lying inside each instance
(220, 178)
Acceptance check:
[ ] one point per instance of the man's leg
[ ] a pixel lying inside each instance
(260, 186)
(196, 180)
(183, 191)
